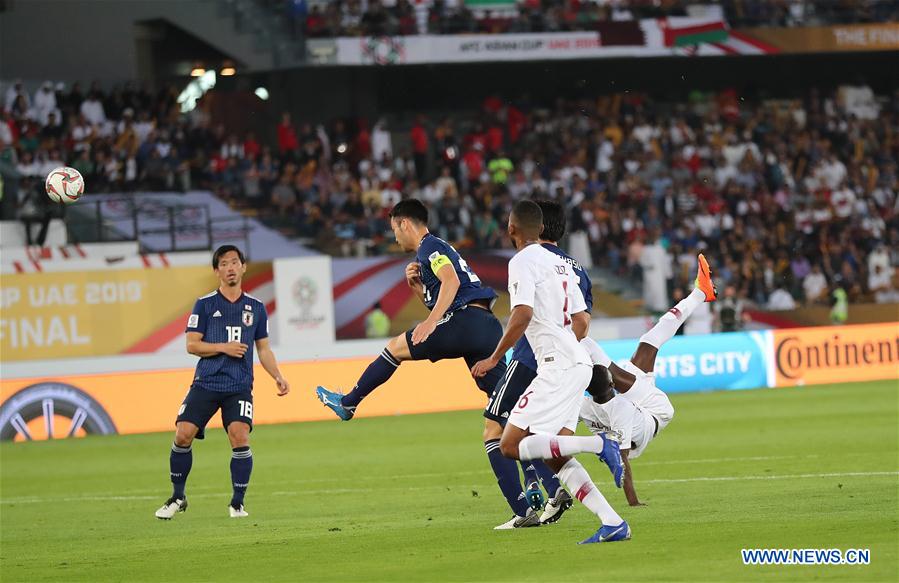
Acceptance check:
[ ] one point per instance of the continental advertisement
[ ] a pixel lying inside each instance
(147, 401)
(99, 313)
(836, 354)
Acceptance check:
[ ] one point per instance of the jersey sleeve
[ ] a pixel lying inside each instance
(262, 325)
(522, 283)
(432, 254)
(196, 322)
(578, 304)
(586, 288)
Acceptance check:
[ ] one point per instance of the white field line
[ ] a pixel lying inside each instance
(112, 496)
(304, 492)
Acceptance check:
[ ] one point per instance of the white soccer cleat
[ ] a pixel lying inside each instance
(171, 507)
(528, 520)
(556, 507)
(237, 512)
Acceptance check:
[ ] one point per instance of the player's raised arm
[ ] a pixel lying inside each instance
(197, 347)
(270, 364)
(449, 285)
(518, 323)
(413, 280)
(522, 287)
(196, 331)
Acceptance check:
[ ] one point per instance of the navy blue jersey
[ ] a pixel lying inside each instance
(219, 320)
(433, 254)
(522, 351)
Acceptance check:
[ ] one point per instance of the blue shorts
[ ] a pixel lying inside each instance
(518, 377)
(470, 333)
(200, 405)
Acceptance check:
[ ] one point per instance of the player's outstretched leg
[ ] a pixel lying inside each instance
(241, 467)
(548, 447)
(377, 373)
(180, 462)
(665, 329)
(576, 478)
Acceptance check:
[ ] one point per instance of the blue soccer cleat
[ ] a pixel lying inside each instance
(611, 456)
(534, 496)
(333, 402)
(609, 534)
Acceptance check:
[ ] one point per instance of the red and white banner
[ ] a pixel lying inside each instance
(676, 36)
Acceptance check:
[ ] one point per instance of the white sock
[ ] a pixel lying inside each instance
(546, 447)
(668, 324)
(582, 487)
(597, 354)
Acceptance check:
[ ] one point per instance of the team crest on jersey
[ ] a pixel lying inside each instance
(248, 318)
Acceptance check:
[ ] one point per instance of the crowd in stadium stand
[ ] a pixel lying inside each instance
(405, 17)
(787, 197)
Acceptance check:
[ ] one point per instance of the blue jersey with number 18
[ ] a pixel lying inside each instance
(433, 254)
(220, 320)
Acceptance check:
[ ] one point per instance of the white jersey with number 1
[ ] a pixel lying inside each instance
(546, 282)
(541, 279)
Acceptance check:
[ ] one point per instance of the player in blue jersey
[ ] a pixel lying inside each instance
(520, 374)
(222, 329)
(460, 325)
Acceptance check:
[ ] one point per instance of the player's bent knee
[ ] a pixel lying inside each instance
(239, 434)
(492, 430)
(509, 447)
(399, 347)
(185, 433)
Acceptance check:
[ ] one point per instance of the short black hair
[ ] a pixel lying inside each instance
(553, 220)
(411, 208)
(217, 256)
(601, 384)
(527, 215)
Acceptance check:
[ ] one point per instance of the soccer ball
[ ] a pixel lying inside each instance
(65, 185)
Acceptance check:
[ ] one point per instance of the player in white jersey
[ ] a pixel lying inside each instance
(545, 299)
(640, 410)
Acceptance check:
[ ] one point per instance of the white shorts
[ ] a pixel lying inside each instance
(553, 400)
(647, 396)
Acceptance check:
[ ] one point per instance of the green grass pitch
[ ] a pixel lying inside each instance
(413, 499)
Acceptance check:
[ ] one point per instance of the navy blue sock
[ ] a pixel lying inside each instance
(506, 471)
(377, 373)
(241, 467)
(180, 461)
(530, 473)
(549, 480)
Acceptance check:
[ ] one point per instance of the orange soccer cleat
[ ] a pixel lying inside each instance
(704, 280)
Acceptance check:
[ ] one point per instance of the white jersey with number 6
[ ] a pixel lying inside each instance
(544, 281)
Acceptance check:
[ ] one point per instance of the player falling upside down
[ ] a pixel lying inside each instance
(521, 372)
(639, 410)
(460, 324)
(221, 330)
(544, 294)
